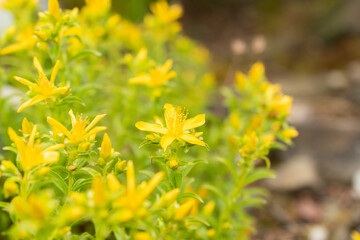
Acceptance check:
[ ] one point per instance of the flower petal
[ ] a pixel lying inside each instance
(54, 147)
(166, 141)
(93, 131)
(94, 122)
(61, 90)
(151, 127)
(30, 102)
(194, 122)
(191, 139)
(50, 157)
(25, 82)
(38, 66)
(72, 117)
(142, 79)
(54, 72)
(58, 126)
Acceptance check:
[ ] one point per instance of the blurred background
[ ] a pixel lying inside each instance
(312, 48)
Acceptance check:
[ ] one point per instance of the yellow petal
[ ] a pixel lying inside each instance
(106, 147)
(94, 131)
(72, 117)
(30, 102)
(54, 8)
(50, 157)
(194, 122)
(94, 122)
(166, 140)
(19, 143)
(38, 66)
(191, 139)
(167, 66)
(26, 126)
(54, 147)
(32, 136)
(99, 192)
(25, 82)
(130, 179)
(257, 72)
(56, 67)
(151, 185)
(150, 127)
(58, 126)
(61, 90)
(184, 210)
(142, 79)
(113, 183)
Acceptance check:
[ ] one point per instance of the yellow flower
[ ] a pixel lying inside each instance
(176, 126)
(165, 13)
(257, 72)
(133, 196)
(106, 148)
(156, 77)
(31, 152)
(25, 40)
(44, 88)
(142, 236)
(79, 131)
(355, 235)
(54, 8)
(184, 210)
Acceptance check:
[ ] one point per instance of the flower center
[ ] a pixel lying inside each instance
(175, 118)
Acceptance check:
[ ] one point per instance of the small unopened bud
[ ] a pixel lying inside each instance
(10, 188)
(173, 163)
(83, 147)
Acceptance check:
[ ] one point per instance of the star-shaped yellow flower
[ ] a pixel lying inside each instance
(43, 87)
(79, 131)
(31, 152)
(165, 13)
(156, 77)
(176, 126)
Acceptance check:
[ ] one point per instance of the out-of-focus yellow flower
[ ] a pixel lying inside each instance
(106, 148)
(235, 121)
(54, 8)
(164, 13)
(26, 127)
(289, 133)
(156, 77)
(209, 208)
(142, 236)
(211, 232)
(25, 40)
(136, 196)
(11, 188)
(95, 8)
(176, 126)
(99, 192)
(355, 235)
(43, 87)
(129, 203)
(257, 72)
(241, 80)
(184, 210)
(79, 131)
(280, 105)
(31, 152)
(113, 183)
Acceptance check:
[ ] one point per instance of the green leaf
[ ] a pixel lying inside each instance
(198, 220)
(59, 182)
(176, 178)
(252, 202)
(70, 100)
(4, 204)
(258, 174)
(84, 53)
(190, 195)
(81, 183)
(120, 233)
